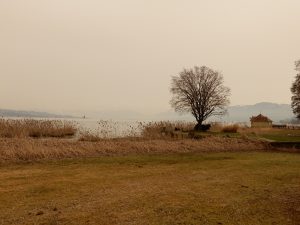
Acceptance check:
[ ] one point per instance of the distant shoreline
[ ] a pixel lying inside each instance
(31, 114)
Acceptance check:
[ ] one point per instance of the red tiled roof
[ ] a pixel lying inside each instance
(260, 118)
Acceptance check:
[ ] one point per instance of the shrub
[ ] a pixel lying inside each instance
(216, 127)
(165, 129)
(230, 128)
(202, 127)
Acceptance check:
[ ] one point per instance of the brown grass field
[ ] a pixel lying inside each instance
(14, 150)
(246, 188)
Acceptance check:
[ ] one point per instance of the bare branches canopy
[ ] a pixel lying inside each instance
(201, 92)
(295, 89)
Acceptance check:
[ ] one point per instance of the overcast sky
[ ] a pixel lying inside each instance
(61, 55)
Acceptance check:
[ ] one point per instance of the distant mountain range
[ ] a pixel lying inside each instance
(239, 113)
(30, 114)
(276, 112)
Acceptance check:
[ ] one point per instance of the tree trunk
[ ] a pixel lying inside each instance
(198, 126)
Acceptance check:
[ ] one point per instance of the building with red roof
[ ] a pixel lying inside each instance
(260, 121)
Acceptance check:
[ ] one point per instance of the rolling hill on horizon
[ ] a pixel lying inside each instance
(30, 114)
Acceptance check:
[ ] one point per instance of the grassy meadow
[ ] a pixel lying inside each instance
(246, 188)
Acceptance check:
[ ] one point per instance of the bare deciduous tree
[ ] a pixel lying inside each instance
(297, 64)
(199, 91)
(295, 89)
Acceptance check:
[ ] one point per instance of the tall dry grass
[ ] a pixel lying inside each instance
(89, 136)
(166, 129)
(216, 127)
(14, 128)
(226, 128)
(26, 149)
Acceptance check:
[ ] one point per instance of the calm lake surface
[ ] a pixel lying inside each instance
(109, 128)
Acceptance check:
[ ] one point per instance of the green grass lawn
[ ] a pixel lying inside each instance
(281, 135)
(208, 188)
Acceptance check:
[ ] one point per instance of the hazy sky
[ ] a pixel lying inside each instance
(62, 55)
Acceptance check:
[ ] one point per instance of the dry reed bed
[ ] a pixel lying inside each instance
(26, 149)
(165, 128)
(20, 128)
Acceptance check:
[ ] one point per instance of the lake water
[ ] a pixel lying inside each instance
(109, 128)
